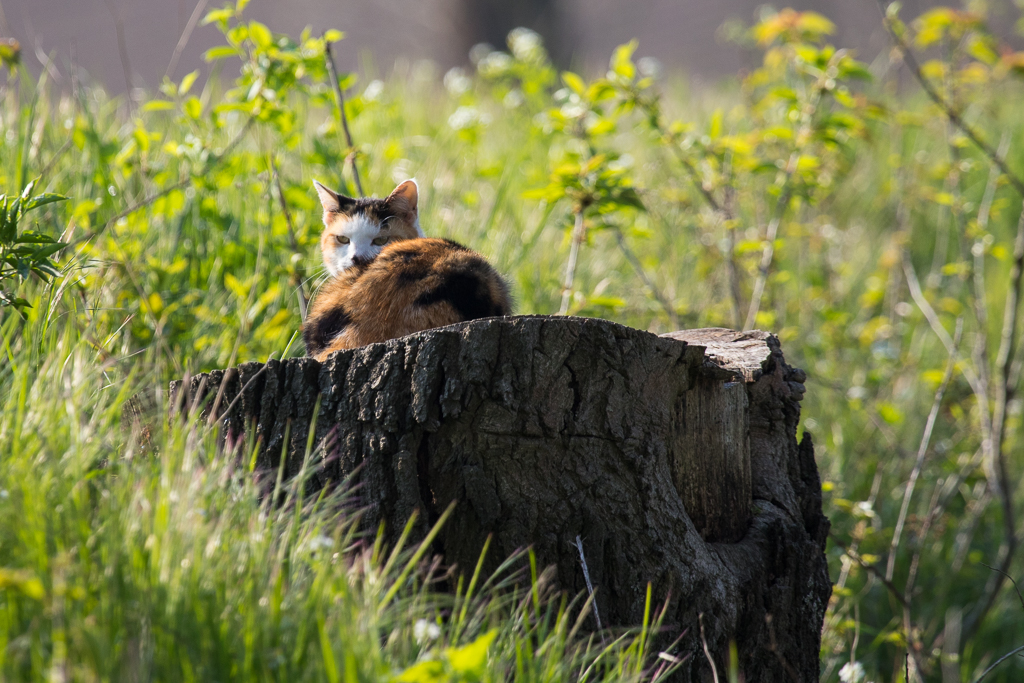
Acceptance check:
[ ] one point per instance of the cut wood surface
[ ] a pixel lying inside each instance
(673, 458)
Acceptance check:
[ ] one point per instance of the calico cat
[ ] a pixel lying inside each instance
(388, 279)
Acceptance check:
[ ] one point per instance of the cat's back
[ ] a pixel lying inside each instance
(412, 285)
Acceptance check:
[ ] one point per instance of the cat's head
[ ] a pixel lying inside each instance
(355, 230)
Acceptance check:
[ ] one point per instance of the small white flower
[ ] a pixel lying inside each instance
(320, 542)
(467, 117)
(373, 90)
(622, 163)
(856, 392)
(649, 66)
(456, 81)
(514, 99)
(494, 64)
(424, 631)
(525, 44)
(573, 110)
(479, 51)
(864, 509)
(852, 672)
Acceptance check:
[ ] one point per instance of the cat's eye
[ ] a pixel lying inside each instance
(380, 241)
(342, 239)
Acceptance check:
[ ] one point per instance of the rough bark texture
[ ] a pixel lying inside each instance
(675, 466)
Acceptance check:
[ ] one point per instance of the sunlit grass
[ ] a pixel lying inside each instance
(115, 566)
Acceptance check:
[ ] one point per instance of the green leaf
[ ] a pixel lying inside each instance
(44, 252)
(10, 52)
(601, 126)
(470, 661)
(622, 60)
(219, 52)
(21, 580)
(218, 15)
(234, 106)
(851, 68)
(574, 82)
(612, 302)
(33, 237)
(186, 83)
(28, 189)
(42, 200)
(982, 49)
(237, 35)
(193, 107)
(157, 105)
(430, 671)
(890, 413)
(260, 34)
(715, 131)
(45, 270)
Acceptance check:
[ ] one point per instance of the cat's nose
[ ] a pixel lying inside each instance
(360, 260)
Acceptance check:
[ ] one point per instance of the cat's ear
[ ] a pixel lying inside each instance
(405, 198)
(331, 200)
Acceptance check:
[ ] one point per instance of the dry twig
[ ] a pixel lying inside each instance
(922, 450)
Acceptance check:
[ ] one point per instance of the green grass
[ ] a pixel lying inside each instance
(115, 567)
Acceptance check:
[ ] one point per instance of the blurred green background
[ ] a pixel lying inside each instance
(825, 199)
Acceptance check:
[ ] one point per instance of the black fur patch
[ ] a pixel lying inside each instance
(318, 332)
(455, 244)
(410, 270)
(468, 294)
(413, 273)
(377, 210)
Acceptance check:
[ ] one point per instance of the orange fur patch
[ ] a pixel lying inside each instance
(412, 285)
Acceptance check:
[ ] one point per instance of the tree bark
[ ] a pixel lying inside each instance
(673, 458)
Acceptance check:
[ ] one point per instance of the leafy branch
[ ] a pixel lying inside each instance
(24, 252)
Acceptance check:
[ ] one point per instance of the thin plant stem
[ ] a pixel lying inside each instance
(769, 249)
(707, 652)
(999, 661)
(954, 116)
(732, 271)
(339, 97)
(914, 285)
(666, 305)
(570, 266)
(300, 275)
(870, 568)
(922, 451)
(978, 248)
(1008, 343)
(185, 35)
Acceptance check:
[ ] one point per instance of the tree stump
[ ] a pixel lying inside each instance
(673, 458)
